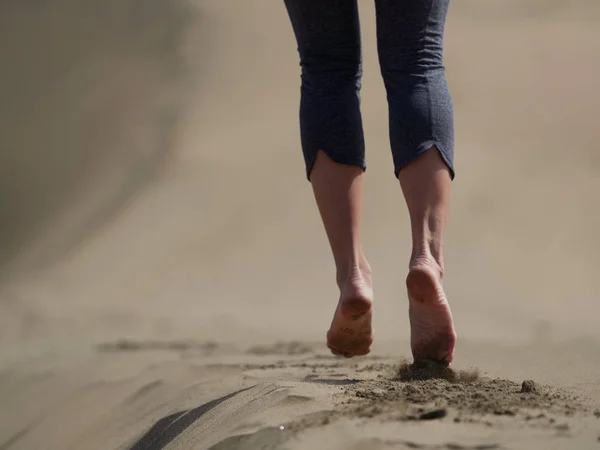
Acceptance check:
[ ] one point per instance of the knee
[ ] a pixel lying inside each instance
(330, 66)
(411, 36)
(411, 60)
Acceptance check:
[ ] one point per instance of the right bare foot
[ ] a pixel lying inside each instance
(432, 329)
(351, 332)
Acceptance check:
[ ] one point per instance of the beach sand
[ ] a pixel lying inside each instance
(165, 281)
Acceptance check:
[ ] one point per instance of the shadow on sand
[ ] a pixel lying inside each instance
(167, 429)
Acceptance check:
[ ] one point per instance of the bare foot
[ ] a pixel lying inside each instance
(432, 329)
(351, 332)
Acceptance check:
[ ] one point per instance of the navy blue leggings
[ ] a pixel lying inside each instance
(410, 37)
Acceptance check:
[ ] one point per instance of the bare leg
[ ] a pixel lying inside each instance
(425, 183)
(338, 192)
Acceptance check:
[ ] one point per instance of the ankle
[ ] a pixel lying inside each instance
(423, 256)
(356, 270)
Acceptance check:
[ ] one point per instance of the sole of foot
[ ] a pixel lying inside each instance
(351, 332)
(432, 329)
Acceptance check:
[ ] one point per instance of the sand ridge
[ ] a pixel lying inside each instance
(381, 390)
(217, 396)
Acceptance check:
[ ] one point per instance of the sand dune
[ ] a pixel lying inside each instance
(165, 281)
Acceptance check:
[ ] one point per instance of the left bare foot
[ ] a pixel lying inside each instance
(351, 332)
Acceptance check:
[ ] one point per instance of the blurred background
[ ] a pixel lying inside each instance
(152, 183)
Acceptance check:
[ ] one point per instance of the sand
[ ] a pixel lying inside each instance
(165, 282)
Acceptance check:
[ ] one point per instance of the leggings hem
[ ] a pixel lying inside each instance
(423, 148)
(336, 159)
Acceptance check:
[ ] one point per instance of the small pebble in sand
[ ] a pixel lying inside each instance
(435, 414)
(281, 428)
(529, 387)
